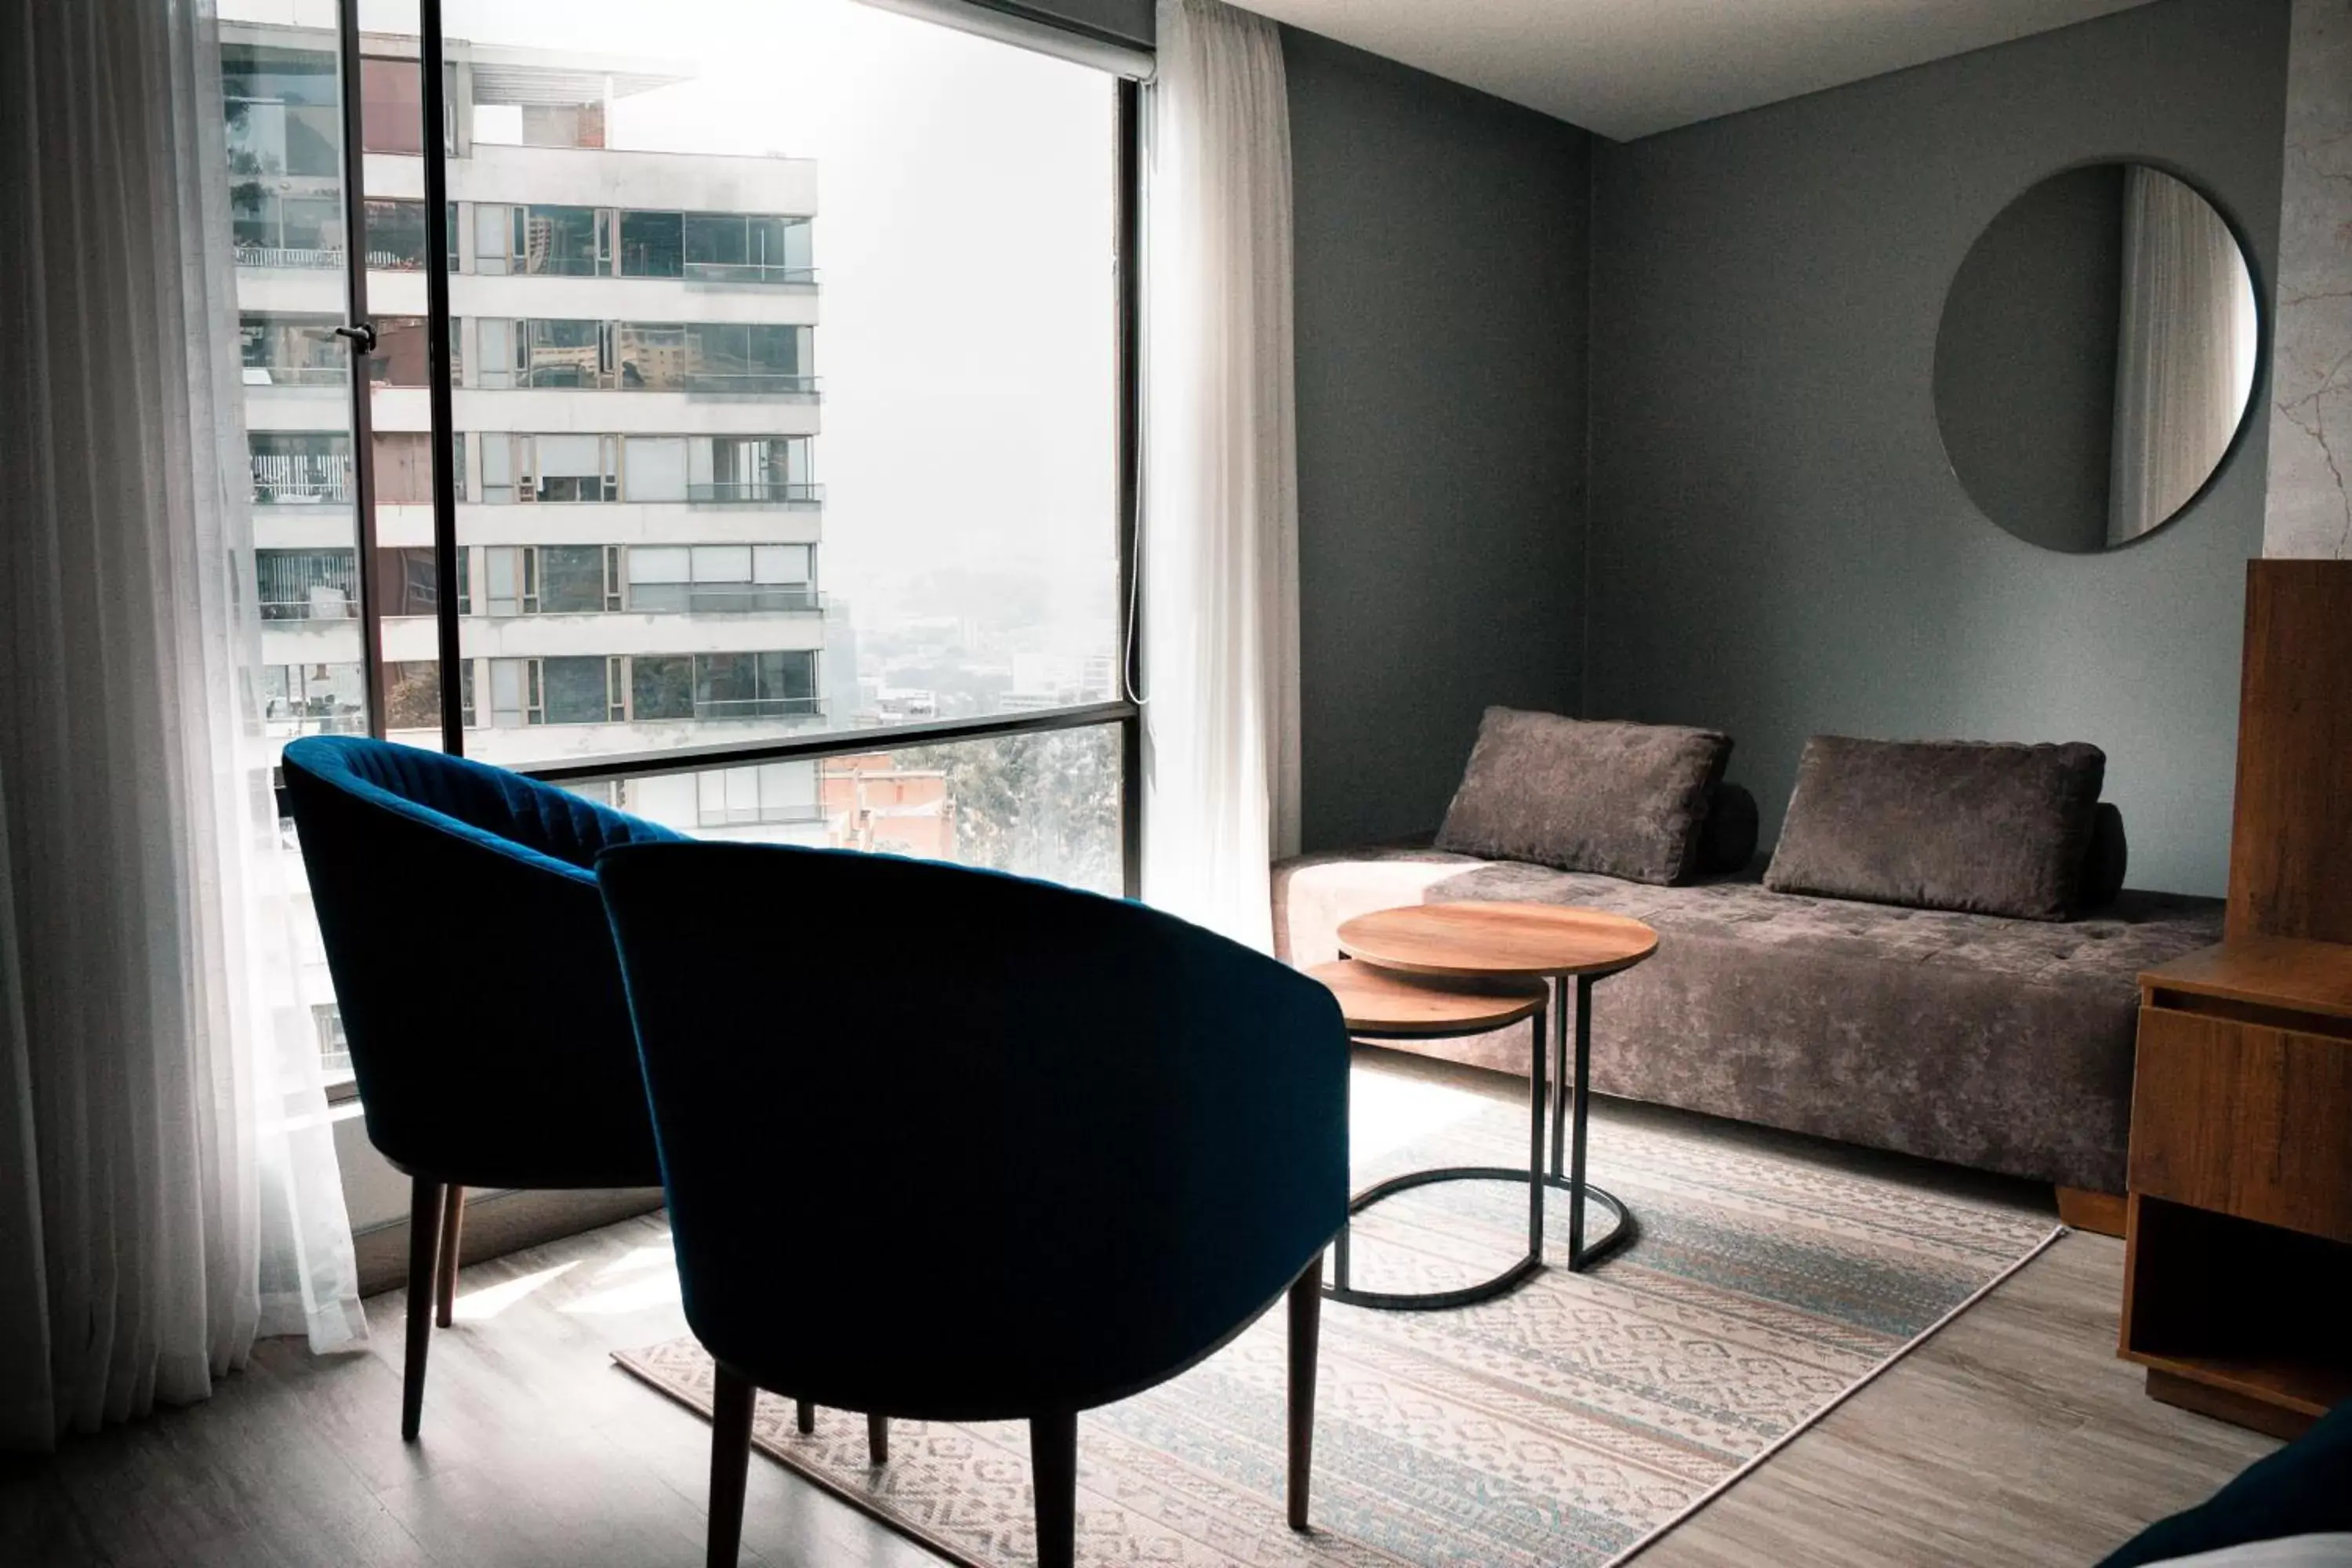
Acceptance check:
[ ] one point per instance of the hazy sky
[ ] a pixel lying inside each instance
(964, 245)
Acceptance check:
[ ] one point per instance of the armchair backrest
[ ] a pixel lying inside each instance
(473, 964)
(946, 1143)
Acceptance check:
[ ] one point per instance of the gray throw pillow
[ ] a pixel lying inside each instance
(1625, 800)
(1986, 828)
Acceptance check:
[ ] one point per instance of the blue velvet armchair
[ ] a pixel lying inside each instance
(479, 990)
(951, 1145)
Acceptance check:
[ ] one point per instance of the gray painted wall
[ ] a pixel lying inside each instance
(1779, 546)
(1441, 288)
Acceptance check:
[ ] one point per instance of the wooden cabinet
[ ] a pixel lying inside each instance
(2238, 1222)
(2238, 1271)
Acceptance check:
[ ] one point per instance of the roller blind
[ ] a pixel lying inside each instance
(1114, 35)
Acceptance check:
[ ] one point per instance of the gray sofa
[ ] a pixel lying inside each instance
(2005, 1045)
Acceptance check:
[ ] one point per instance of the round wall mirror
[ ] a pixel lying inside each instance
(2096, 356)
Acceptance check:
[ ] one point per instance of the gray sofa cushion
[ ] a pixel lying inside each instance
(1627, 800)
(1977, 826)
(2004, 1045)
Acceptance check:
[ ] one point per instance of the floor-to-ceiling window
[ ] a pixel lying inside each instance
(787, 414)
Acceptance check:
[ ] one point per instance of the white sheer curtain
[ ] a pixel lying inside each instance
(1220, 475)
(168, 1187)
(2185, 358)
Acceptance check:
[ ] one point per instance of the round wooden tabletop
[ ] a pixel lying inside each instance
(1495, 940)
(1384, 1002)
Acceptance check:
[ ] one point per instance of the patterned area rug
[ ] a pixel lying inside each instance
(1565, 1423)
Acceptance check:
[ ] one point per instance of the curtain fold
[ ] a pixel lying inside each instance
(1220, 550)
(167, 1177)
(2185, 356)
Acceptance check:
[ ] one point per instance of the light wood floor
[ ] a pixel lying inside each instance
(2013, 1437)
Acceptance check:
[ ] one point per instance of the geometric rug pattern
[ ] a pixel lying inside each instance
(1563, 1424)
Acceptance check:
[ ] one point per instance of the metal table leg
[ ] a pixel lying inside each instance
(1533, 1178)
(1571, 1096)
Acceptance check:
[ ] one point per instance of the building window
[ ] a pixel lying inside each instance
(652, 468)
(313, 699)
(705, 578)
(661, 686)
(511, 580)
(413, 694)
(291, 350)
(576, 689)
(572, 580)
(749, 358)
(306, 584)
(400, 358)
(754, 685)
(653, 245)
(286, 228)
(651, 355)
(407, 585)
(559, 240)
(392, 106)
(283, 111)
(562, 353)
(514, 693)
(335, 1047)
(737, 248)
(300, 467)
(771, 792)
(550, 467)
(751, 469)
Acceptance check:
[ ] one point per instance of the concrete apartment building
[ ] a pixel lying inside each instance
(636, 401)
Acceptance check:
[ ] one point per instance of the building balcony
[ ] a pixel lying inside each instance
(609, 177)
(317, 514)
(312, 282)
(315, 634)
(792, 496)
(523, 744)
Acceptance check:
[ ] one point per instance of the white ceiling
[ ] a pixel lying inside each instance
(1629, 67)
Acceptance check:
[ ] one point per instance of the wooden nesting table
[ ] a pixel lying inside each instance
(1435, 970)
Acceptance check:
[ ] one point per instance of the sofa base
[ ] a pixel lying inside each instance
(2102, 1213)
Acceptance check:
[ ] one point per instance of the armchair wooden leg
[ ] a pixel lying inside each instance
(424, 1256)
(877, 1439)
(1305, 1331)
(733, 1400)
(453, 1222)
(804, 1416)
(1053, 1477)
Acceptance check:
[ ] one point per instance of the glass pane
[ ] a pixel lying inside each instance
(652, 356)
(395, 237)
(652, 245)
(661, 688)
(575, 690)
(1042, 806)
(562, 354)
(654, 467)
(392, 106)
(561, 241)
(570, 578)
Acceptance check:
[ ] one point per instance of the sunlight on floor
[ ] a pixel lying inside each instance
(1388, 1110)
(480, 1306)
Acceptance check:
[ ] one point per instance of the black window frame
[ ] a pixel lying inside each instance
(1121, 712)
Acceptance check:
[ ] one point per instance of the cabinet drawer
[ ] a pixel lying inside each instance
(2246, 1118)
